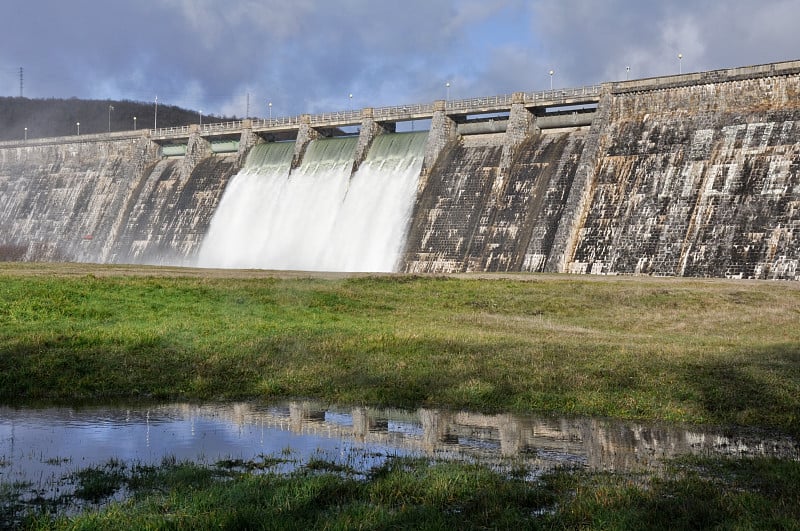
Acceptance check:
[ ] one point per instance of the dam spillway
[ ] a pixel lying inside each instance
(686, 175)
(322, 215)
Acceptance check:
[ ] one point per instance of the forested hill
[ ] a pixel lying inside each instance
(59, 117)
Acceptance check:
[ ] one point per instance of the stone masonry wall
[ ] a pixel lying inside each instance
(449, 208)
(478, 214)
(698, 180)
(61, 202)
(105, 202)
(693, 175)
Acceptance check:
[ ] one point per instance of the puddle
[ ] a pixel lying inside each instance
(42, 445)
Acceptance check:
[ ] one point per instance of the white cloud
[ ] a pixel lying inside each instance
(307, 55)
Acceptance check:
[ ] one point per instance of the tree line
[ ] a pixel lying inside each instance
(60, 117)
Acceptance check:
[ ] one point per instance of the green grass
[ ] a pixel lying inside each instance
(721, 352)
(413, 493)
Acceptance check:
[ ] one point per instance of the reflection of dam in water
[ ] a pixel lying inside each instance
(599, 444)
(42, 445)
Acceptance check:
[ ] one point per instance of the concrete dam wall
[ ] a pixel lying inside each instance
(113, 202)
(690, 175)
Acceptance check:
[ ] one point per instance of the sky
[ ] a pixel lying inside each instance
(310, 56)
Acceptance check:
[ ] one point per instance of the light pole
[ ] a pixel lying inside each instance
(134, 123)
(78, 125)
(110, 108)
(270, 110)
(551, 79)
(447, 91)
(26, 134)
(351, 101)
(680, 63)
(155, 116)
(627, 73)
(201, 117)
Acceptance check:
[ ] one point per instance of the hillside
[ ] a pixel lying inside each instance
(59, 117)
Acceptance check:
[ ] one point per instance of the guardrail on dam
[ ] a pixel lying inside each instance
(328, 120)
(690, 175)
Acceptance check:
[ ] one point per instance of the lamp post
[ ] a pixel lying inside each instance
(78, 125)
(680, 63)
(351, 101)
(110, 108)
(134, 123)
(155, 116)
(201, 117)
(627, 73)
(26, 134)
(270, 110)
(447, 91)
(551, 79)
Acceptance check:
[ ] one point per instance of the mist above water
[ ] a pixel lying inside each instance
(320, 216)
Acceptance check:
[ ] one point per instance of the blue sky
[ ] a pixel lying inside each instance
(309, 55)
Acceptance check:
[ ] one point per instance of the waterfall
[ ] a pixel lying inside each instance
(320, 216)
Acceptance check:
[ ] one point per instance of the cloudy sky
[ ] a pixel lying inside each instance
(310, 55)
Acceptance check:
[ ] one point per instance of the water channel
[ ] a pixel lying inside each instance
(40, 446)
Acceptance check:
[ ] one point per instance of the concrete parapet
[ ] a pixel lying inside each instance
(369, 130)
(197, 149)
(786, 68)
(443, 130)
(521, 123)
(247, 140)
(581, 192)
(305, 134)
(520, 126)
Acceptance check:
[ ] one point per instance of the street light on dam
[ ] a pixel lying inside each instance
(551, 79)
(680, 63)
(78, 125)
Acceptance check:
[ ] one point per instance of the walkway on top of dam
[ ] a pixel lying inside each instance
(456, 109)
(398, 113)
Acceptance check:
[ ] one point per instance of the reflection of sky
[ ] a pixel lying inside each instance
(38, 445)
(31, 443)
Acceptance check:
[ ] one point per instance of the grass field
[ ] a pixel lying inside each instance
(417, 494)
(700, 351)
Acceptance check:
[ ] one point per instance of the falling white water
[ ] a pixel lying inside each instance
(318, 217)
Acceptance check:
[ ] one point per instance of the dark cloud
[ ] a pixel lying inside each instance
(308, 55)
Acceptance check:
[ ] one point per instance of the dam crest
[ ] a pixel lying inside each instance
(687, 175)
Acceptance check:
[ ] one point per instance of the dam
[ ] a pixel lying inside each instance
(685, 175)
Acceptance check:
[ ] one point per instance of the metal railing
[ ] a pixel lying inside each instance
(403, 110)
(414, 110)
(563, 94)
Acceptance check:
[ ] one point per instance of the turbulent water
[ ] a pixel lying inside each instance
(320, 216)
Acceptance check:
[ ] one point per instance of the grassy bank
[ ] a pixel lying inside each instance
(721, 352)
(418, 494)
